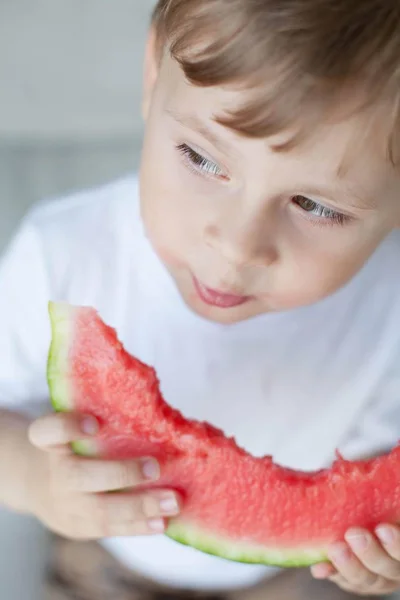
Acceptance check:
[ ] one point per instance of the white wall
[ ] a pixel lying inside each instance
(71, 68)
(70, 77)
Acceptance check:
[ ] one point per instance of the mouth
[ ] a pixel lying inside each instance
(217, 298)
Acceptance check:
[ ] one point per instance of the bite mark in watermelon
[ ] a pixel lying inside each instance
(236, 506)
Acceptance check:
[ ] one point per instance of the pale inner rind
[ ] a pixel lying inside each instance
(62, 319)
(190, 535)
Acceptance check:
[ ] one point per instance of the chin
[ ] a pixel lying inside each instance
(223, 317)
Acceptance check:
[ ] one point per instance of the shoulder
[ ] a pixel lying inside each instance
(85, 238)
(85, 212)
(88, 225)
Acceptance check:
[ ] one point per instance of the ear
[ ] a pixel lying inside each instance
(151, 70)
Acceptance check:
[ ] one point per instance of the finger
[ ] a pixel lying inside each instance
(323, 571)
(389, 536)
(124, 509)
(99, 516)
(138, 528)
(93, 529)
(382, 586)
(350, 567)
(94, 476)
(56, 430)
(372, 555)
(340, 581)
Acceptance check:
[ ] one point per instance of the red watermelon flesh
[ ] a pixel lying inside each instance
(236, 506)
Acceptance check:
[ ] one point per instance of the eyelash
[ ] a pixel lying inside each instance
(321, 212)
(200, 165)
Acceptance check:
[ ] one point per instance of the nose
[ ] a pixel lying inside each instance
(242, 244)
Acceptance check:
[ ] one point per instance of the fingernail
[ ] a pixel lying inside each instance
(386, 535)
(169, 505)
(340, 554)
(320, 571)
(357, 540)
(156, 525)
(89, 426)
(151, 469)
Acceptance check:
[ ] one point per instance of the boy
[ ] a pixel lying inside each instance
(262, 236)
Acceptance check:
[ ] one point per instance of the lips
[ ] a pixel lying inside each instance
(217, 298)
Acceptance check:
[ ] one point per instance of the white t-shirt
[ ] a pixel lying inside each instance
(296, 385)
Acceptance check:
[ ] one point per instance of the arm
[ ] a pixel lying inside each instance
(24, 291)
(15, 460)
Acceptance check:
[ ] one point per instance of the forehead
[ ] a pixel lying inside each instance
(343, 148)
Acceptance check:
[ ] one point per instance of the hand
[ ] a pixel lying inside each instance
(68, 493)
(365, 564)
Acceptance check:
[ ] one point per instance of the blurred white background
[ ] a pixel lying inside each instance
(70, 77)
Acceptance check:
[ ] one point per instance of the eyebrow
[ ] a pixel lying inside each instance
(196, 124)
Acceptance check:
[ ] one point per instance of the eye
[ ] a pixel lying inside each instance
(319, 210)
(199, 163)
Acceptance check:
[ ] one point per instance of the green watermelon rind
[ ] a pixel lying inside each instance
(57, 364)
(178, 530)
(189, 535)
(57, 368)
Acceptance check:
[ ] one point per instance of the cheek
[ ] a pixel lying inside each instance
(320, 276)
(173, 211)
(166, 223)
(169, 257)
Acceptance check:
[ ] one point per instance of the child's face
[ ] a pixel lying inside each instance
(244, 229)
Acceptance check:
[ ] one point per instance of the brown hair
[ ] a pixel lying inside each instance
(298, 60)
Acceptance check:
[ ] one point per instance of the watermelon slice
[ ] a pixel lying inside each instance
(236, 506)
